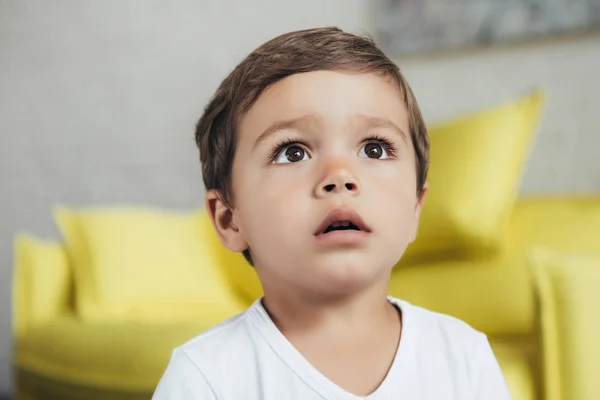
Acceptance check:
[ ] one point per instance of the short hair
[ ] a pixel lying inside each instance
(292, 53)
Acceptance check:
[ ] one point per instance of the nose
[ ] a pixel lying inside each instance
(338, 178)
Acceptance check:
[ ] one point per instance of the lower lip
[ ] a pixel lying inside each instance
(348, 237)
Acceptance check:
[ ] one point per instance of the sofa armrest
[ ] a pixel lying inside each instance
(41, 282)
(569, 299)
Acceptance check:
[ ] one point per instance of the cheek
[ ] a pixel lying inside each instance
(274, 188)
(394, 182)
(272, 202)
(393, 191)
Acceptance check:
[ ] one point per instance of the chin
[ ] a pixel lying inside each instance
(347, 276)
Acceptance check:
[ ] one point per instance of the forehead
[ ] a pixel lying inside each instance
(330, 98)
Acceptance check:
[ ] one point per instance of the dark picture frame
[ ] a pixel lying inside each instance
(422, 26)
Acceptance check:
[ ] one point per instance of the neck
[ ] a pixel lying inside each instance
(303, 314)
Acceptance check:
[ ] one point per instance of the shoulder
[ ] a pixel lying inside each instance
(441, 339)
(209, 362)
(219, 345)
(457, 350)
(437, 326)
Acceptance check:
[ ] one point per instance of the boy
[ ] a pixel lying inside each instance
(314, 156)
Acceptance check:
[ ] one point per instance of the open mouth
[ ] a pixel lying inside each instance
(341, 226)
(342, 219)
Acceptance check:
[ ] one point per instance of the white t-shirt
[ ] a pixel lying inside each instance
(246, 357)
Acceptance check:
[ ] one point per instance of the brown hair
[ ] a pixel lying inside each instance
(289, 54)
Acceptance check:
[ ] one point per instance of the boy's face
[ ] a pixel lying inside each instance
(324, 183)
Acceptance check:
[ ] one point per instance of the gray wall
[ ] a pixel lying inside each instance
(98, 101)
(564, 158)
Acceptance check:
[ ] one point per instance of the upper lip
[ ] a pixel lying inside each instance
(342, 215)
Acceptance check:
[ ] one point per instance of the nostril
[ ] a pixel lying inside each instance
(350, 186)
(329, 188)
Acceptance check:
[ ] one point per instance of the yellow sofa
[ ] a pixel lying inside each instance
(97, 315)
(544, 331)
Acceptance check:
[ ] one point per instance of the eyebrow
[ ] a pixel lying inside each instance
(370, 122)
(366, 122)
(283, 124)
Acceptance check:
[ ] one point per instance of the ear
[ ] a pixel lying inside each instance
(418, 209)
(225, 222)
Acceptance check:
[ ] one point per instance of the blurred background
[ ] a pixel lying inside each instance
(98, 99)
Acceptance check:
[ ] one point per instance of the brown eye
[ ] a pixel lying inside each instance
(291, 154)
(294, 154)
(374, 150)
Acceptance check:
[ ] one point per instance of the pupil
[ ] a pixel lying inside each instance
(294, 154)
(373, 150)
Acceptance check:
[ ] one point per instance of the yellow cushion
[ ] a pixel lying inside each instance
(41, 282)
(120, 356)
(242, 275)
(568, 293)
(566, 223)
(474, 291)
(476, 165)
(517, 360)
(140, 264)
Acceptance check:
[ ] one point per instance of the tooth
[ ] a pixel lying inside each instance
(335, 224)
(345, 223)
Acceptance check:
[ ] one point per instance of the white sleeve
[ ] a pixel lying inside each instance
(183, 380)
(489, 381)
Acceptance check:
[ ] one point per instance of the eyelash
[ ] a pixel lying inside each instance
(287, 142)
(282, 144)
(387, 145)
